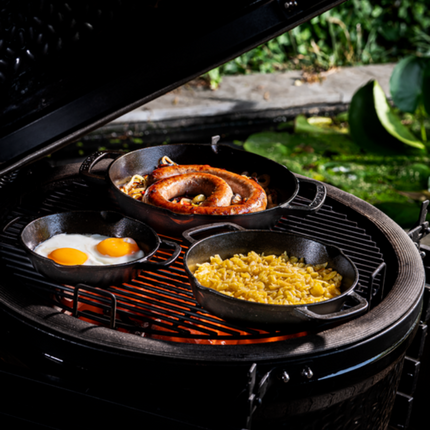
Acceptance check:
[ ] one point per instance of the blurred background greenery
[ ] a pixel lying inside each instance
(354, 33)
(378, 149)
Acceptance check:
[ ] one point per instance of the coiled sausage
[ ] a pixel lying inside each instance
(253, 195)
(218, 191)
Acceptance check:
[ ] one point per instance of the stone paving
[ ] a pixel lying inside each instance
(259, 94)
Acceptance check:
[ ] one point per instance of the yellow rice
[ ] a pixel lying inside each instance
(270, 279)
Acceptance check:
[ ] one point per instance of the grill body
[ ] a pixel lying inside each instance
(191, 370)
(303, 380)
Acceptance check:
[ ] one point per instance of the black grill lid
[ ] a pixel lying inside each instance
(68, 67)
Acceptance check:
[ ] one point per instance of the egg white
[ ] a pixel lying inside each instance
(86, 244)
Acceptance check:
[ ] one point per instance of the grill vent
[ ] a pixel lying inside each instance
(33, 32)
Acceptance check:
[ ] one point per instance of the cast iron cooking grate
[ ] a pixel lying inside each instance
(160, 304)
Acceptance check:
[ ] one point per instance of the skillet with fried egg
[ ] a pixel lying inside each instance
(121, 246)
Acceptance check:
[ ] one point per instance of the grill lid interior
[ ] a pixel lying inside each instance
(67, 68)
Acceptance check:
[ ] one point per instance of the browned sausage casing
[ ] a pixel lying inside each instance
(218, 191)
(252, 193)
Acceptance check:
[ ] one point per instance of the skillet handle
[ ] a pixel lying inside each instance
(317, 202)
(176, 251)
(17, 220)
(207, 227)
(89, 163)
(356, 310)
(10, 223)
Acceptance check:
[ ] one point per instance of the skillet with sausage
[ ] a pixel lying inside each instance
(177, 180)
(127, 176)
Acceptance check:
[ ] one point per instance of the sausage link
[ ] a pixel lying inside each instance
(253, 194)
(218, 192)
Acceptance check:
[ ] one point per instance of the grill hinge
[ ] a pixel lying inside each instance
(257, 391)
(421, 228)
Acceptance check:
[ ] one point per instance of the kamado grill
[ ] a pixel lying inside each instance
(144, 352)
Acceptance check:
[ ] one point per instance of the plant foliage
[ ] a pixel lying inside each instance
(355, 32)
(395, 183)
(383, 159)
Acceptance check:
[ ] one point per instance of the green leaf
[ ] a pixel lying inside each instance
(366, 128)
(301, 125)
(343, 116)
(316, 125)
(391, 121)
(406, 83)
(215, 78)
(284, 146)
(268, 144)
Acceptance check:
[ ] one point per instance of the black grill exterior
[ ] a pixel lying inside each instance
(158, 359)
(301, 379)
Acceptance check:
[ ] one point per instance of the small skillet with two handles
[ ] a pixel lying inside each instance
(107, 223)
(241, 241)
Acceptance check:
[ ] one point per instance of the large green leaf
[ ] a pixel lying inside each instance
(406, 83)
(268, 144)
(391, 121)
(284, 146)
(366, 128)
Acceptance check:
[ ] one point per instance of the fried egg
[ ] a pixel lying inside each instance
(89, 250)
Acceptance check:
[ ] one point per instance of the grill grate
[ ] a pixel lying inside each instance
(161, 304)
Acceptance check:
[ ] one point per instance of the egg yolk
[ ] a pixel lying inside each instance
(68, 256)
(117, 246)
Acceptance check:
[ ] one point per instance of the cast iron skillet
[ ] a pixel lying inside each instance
(164, 221)
(254, 314)
(107, 223)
